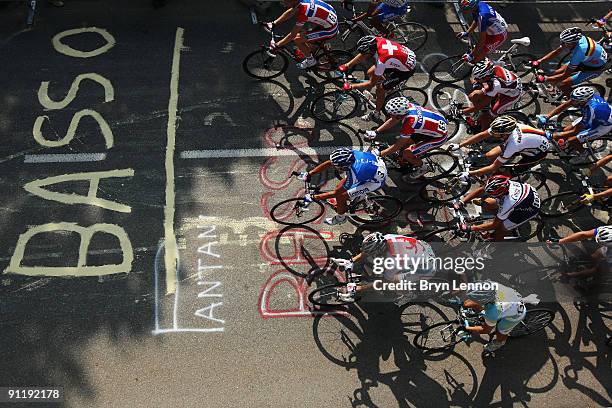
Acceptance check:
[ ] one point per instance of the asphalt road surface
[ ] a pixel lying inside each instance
(138, 165)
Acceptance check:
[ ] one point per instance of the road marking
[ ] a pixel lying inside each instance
(64, 158)
(261, 152)
(170, 253)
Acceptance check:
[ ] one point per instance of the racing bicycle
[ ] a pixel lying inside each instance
(561, 204)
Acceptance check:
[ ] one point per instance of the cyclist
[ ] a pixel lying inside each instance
(422, 130)
(396, 61)
(378, 245)
(496, 88)
(531, 144)
(602, 257)
(502, 308)
(589, 198)
(492, 26)
(587, 60)
(604, 20)
(366, 172)
(319, 14)
(515, 203)
(382, 11)
(596, 118)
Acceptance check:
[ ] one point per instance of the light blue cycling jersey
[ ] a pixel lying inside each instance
(588, 53)
(596, 113)
(508, 305)
(363, 170)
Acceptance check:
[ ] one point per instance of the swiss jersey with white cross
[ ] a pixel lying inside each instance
(392, 55)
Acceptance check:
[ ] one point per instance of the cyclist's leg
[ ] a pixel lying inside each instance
(576, 79)
(491, 43)
(316, 36)
(588, 135)
(421, 145)
(493, 153)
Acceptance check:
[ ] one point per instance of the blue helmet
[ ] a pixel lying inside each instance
(342, 157)
(468, 4)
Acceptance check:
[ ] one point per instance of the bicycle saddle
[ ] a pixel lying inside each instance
(524, 41)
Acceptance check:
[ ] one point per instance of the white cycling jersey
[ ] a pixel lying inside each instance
(526, 141)
(412, 248)
(520, 197)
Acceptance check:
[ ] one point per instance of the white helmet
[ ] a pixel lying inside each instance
(582, 93)
(570, 35)
(397, 106)
(374, 244)
(395, 3)
(604, 235)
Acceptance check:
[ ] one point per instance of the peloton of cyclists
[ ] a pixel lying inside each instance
(394, 63)
(324, 26)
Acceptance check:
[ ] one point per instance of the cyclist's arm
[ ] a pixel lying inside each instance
(569, 133)
(356, 60)
(562, 75)
(601, 162)
(479, 52)
(399, 144)
(474, 108)
(607, 16)
(369, 83)
(484, 329)
(472, 27)
(369, 12)
(558, 109)
(476, 138)
(578, 236)
(487, 169)
(334, 193)
(389, 123)
(604, 194)
(323, 166)
(289, 37)
(285, 16)
(472, 195)
(551, 54)
(488, 226)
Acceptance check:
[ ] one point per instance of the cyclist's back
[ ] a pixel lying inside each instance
(489, 20)
(597, 112)
(366, 174)
(518, 206)
(392, 55)
(316, 12)
(423, 121)
(526, 141)
(587, 54)
(506, 311)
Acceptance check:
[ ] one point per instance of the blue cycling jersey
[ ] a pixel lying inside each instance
(588, 53)
(489, 21)
(596, 113)
(363, 170)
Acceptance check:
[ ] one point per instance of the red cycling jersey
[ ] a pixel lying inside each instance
(503, 82)
(392, 55)
(316, 12)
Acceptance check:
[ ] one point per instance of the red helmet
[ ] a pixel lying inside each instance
(497, 185)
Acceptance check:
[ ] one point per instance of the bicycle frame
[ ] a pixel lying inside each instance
(369, 30)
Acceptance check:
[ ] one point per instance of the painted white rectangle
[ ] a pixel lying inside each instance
(262, 152)
(64, 158)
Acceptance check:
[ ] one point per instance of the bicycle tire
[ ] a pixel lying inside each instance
(561, 204)
(430, 192)
(446, 235)
(450, 70)
(414, 95)
(518, 66)
(422, 338)
(328, 62)
(393, 206)
(314, 262)
(277, 213)
(527, 99)
(535, 320)
(328, 296)
(443, 94)
(412, 35)
(436, 169)
(326, 108)
(262, 59)
(348, 36)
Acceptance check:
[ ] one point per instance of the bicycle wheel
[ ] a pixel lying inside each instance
(447, 234)
(439, 164)
(518, 64)
(440, 336)
(412, 35)
(347, 36)
(561, 204)
(443, 190)
(417, 316)
(334, 106)
(292, 212)
(530, 229)
(260, 65)
(414, 95)
(327, 296)
(375, 209)
(328, 62)
(534, 321)
(528, 97)
(301, 250)
(443, 95)
(450, 70)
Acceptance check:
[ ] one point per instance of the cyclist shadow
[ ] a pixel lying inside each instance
(381, 354)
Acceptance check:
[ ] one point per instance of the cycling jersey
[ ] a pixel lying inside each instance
(424, 122)
(526, 141)
(587, 53)
(411, 248)
(489, 21)
(392, 55)
(316, 12)
(517, 207)
(507, 311)
(367, 173)
(596, 113)
(502, 82)
(386, 12)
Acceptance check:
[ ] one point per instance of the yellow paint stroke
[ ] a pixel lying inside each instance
(49, 104)
(170, 253)
(71, 52)
(107, 133)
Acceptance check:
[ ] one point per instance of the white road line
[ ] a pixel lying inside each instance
(64, 158)
(262, 152)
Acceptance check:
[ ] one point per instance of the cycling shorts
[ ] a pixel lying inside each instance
(502, 103)
(385, 12)
(588, 135)
(362, 189)
(494, 41)
(321, 34)
(519, 216)
(423, 144)
(505, 325)
(394, 77)
(583, 76)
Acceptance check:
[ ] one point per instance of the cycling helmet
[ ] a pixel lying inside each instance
(570, 35)
(582, 94)
(342, 157)
(467, 4)
(374, 244)
(482, 297)
(395, 3)
(497, 185)
(483, 69)
(397, 106)
(604, 235)
(502, 125)
(367, 45)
